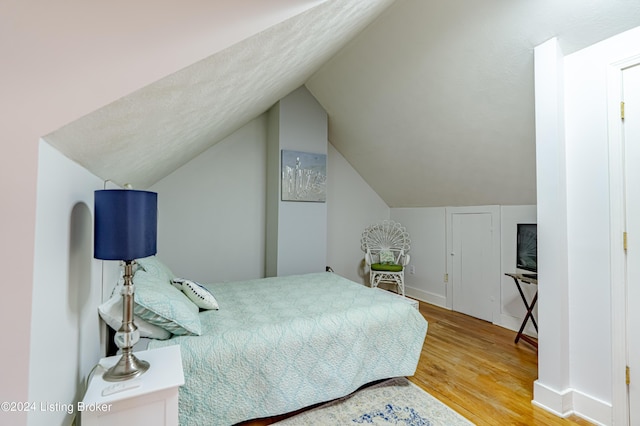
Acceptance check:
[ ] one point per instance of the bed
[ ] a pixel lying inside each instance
(276, 345)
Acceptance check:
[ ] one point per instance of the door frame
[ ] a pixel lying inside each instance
(495, 253)
(620, 403)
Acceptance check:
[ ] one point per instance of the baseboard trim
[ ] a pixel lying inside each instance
(571, 401)
(558, 403)
(513, 323)
(592, 409)
(425, 296)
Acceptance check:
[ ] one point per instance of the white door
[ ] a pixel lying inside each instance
(472, 264)
(631, 135)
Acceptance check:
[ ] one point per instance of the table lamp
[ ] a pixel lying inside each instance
(126, 223)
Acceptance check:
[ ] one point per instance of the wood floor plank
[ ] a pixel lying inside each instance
(476, 368)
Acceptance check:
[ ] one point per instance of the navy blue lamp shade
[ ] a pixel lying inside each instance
(126, 224)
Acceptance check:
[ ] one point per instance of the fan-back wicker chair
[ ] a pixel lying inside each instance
(386, 245)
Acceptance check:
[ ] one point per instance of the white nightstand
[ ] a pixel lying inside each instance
(153, 402)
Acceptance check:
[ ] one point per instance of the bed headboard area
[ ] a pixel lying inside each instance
(67, 337)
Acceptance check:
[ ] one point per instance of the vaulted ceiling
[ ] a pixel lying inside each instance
(430, 101)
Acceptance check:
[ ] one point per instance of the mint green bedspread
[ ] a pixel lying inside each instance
(279, 344)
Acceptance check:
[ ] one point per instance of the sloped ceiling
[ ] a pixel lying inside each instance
(432, 103)
(148, 134)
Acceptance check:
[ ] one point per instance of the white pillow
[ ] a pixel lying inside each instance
(111, 313)
(197, 293)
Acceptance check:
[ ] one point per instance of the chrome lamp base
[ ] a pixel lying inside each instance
(128, 366)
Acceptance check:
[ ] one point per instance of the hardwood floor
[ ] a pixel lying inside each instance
(476, 368)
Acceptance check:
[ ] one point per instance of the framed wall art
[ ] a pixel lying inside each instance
(304, 176)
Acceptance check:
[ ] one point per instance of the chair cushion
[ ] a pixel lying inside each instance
(386, 267)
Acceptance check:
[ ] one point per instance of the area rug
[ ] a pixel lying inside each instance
(392, 402)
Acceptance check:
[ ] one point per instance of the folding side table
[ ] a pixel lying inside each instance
(528, 279)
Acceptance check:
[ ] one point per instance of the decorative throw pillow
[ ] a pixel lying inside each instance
(386, 257)
(197, 293)
(160, 303)
(154, 266)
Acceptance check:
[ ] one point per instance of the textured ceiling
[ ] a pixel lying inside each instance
(432, 103)
(148, 134)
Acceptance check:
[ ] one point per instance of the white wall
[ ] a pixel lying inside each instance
(588, 203)
(300, 240)
(351, 206)
(427, 230)
(575, 358)
(588, 220)
(553, 382)
(211, 222)
(65, 330)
